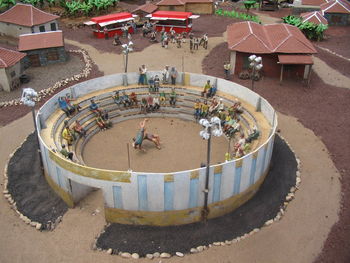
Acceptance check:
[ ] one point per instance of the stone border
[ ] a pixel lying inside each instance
(59, 84)
(289, 197)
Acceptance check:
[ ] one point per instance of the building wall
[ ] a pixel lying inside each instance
(161, 198)
(43, 56)
(337, 19)
(271, 67)
(9, 77)
(297, 10)
(179, 8)
(16, 30)
(200, 8)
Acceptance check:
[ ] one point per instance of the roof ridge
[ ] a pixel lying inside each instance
(282, 42)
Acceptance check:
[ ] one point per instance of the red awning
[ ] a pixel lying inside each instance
(295, 59)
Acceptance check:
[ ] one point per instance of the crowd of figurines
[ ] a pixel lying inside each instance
(207, 106)
(149, 31)
(230, 119)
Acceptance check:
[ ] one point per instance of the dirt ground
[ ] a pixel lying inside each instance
(108, 149)
(311, 229)
(264, 206)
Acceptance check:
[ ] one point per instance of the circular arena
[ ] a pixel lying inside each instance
(159, 186)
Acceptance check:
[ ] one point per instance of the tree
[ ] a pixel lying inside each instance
(7, 3)
(249, 4)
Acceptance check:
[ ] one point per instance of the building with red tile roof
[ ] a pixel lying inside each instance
(314, 17)
(278, 44)
(313, 2)
(194, 6)
(337, 12)
(10, 68)
(24, 19)
(42, 48)
(145, 9)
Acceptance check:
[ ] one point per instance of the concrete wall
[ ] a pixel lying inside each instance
(9, 77)
(200, 8)
(158, 198)
(16, 30)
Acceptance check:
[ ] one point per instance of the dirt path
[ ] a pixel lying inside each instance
(71, 241)
(154, 57)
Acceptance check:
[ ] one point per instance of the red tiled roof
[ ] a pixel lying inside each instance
(9, 57)
(26, 15)
(182, 2)
(251, 37)
(336, 6)
(314, 17)
(295, 59)
(147, 8)
(313, 2)
(40, 40)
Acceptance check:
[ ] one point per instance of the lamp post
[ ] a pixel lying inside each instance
(256, 65)
(212, 127)
(126, 49)
(28, 96)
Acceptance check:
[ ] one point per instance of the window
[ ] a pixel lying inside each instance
(42, 28)
(53, 27)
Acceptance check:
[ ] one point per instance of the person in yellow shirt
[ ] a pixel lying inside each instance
(197, 109)
(204, 109)
(67, 135)
(206, 89)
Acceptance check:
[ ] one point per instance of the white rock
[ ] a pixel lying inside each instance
(216, 243)
(26, 220)
(179, 254)
(135, 256)
(110, 251)
(288, 198)
(165, 255)
(125, 255)
(156, 254)
(149, 256)
(268, 222)
(256, 230)
(222, 244)
(200, 248)
(193, 250)
(227, 242)
(7, 196)
(5, 191)
(210, 245)
(33, 224)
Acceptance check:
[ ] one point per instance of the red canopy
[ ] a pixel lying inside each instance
(172, 14)
(106, 18)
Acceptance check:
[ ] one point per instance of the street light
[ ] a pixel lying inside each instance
(28, 99)
(212, 127)
(126, 49)
(256, 65)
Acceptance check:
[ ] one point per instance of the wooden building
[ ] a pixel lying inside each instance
(194, 6)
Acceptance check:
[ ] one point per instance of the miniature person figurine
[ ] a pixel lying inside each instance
(172, 35)
(166, 74)
(197, 109)
(67, 134)
(125, 100)
(173, 75)
(116, 97)
(105, 118)
(173, 97)
(205, 41)
(105, 32)
(150, 102)
(63, 105)
(94, 107)
(156, 104)
(206, 88)
(100, 123)
(156, 83)
(227, 68)
(65, 153)
(153, 138)
(204, 109)
(79, 129)
(140, 135)
(133, 98)
(116, 41)
(143, 75)
(143, 105)
(162, 98)
(212, 91)
(195, 43)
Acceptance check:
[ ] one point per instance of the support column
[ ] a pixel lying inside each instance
(281, 76)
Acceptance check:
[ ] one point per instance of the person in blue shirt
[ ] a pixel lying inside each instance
(94, 107)
(63, 105)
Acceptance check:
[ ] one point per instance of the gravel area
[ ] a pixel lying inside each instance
(253, 214)
(28, 187)
(44, 77)
(328, 117)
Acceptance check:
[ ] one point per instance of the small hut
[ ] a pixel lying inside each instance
(336, 12)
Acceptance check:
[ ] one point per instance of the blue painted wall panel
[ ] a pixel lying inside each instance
(193, 193)
(58, 173)
(252, 172)
(237, 183)
(216, 187)
(168, 196)
(117, 196)
(142, 191)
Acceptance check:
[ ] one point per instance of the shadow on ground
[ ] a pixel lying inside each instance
(262, 207)
(27, 185)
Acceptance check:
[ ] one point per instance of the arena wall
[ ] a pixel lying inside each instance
(159, 198)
